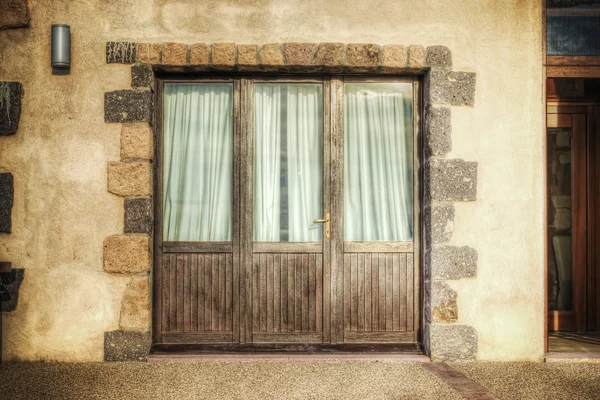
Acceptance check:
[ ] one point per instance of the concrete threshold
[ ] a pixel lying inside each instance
(403, 358)
(581, 356)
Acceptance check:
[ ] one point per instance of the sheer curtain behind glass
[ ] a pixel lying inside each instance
(378, 162)
(288, 160)
(198, 161)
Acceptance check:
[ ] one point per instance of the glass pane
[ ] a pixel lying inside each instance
(560, 262)
(198, 161)
(573, 27)
(288, 162)
(378, 161)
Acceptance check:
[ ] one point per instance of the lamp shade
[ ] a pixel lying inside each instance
(61, 46)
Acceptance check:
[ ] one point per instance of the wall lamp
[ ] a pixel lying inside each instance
(61, 49)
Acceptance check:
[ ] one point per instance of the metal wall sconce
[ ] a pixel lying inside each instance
(61, 49)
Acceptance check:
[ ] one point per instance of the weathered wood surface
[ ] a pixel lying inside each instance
(197, 292)
(378, 292)
(287, 293)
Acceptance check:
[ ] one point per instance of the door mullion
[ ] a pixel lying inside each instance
(246, 158)
(337, 209)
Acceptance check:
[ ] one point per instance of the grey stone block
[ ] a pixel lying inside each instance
(439, 223)
(438, 131)
(10, 107)
(452, 342)
(439, 57)
(10, 283)
(6, 201)
(451, 180)
(452, 88)
(126, 346)
(128, 106)
(443, 303)
(14, 14)
(138, 215)
(142, 75)
(121, 52)
(452, 262)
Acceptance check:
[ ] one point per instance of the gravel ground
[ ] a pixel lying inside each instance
(573, 380)
(291, 380)
(220, 380)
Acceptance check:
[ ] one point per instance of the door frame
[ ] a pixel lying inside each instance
(243, 122)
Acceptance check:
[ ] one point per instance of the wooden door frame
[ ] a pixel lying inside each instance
(338, 244)
(243, 124)
(187, 247)
(562, 67)
(250, 246)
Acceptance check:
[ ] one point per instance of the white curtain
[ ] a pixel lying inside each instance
(288, 191)
(198, 161)
(378, 162)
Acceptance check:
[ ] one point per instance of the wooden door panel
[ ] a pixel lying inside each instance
(197, 296)
(287, 295)
(378, 293)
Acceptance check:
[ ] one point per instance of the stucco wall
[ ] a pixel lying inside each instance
(63, 212)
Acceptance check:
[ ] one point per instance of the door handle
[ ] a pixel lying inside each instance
(324, 221)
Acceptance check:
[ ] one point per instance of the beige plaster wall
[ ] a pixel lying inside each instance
(63, 212)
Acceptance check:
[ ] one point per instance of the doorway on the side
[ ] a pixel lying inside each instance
(573, 192)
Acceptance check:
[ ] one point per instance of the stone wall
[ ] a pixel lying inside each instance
(14, 14)
(61, 156)
(446, 180)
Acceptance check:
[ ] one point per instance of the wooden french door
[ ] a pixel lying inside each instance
(573, 143)
(273, 286)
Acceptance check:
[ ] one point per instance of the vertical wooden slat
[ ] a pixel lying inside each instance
(215, 292)
(291, 292)
(270, 280)
(180, 284)
(312, 296)
(361, 292)
(208, 292)
(263, 292)
(389, 294)
(396, 290)
(319, 294)
(194, 292)
(375, 292)
(222, 290)
(410, 294)
(305, 294)
(284, 293)
(298, 292)
(228, 292)
(201, 293)
(173, 295)
(353, 292)
(277, 293)
(368, 307)
(187, 293)
(347, 293)
(166, 320)
(256, 293)
(382, 292)
(403, 291)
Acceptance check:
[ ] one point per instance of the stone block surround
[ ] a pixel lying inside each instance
(446, 180)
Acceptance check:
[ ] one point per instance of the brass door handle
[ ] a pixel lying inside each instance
(324, 221)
